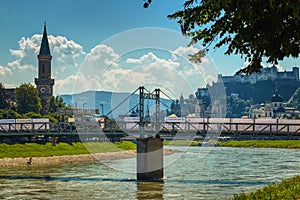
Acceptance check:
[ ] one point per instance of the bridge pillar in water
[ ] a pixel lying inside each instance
(150, 159)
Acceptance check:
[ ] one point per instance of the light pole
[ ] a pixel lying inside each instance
(83, 116)
(102, 109)
(83, 107)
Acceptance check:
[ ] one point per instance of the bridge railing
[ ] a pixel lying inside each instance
(229, 126)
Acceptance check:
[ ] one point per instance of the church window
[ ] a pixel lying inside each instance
(43, 68)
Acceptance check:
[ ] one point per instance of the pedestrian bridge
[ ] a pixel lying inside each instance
(201, 126)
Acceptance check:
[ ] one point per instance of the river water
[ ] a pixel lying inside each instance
(198, 173)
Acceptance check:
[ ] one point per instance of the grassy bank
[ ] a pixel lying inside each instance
(182, 142)
(40, 150)
(287, 189)
(291, 144)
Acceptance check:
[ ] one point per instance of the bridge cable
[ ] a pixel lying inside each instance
(122, 102)
(166, 95)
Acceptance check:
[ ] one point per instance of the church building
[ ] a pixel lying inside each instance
(44, 82)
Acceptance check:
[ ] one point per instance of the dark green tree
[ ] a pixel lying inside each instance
(9, 114)
(253, 28)
(27, 100)
(237, 107)
(52, 106)
(55, 104)
(175, 108)
(60, 104)
(3, 97)
(32, 115)
(57, 109)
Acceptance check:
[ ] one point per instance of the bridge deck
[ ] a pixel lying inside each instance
(289, 129)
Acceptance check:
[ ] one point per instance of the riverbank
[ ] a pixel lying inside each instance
(287, 189)
(54, 160)
(288, 144)
(61, 149)
(37, 154)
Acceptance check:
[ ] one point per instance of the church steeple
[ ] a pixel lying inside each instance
(45, 50)
(44, 82)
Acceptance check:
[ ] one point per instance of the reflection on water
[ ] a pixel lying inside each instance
(149, 190)
(221, 174)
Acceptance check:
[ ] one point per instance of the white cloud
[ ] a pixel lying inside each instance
(151, 70)
(67, 56)
(146, 58)
(198, 74)
(74, 83)
(26, 59)
(64, 54)
(279, 67)
(102, 54)
(185, 51)
(4, 71)
(104, 69)
(98, 61)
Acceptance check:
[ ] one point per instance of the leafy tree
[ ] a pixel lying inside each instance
(56, 103)
(27, 100)
(9, 114)
(175, 108)
(3, 98)
(52, 106)
(253, 28)
(53, 117)
(32, 115)
(60, 103)
(237, 107)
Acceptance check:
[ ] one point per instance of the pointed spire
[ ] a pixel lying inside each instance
(45, 50)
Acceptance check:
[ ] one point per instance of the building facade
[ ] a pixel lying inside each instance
(273, 109)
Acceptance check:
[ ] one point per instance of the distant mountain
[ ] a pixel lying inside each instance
(121, 103)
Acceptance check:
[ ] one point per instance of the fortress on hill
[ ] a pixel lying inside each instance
(268, 73)
(258, 87)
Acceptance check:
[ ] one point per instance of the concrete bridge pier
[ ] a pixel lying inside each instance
(150, 159)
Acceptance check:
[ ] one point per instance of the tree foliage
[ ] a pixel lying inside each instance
(56, 103)
(175, 108)
(9, 114)
(27, 100)
(253, 28)
(236, 107)
(3, 98)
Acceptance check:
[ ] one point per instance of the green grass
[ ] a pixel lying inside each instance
(291, 144)
(40, 150)
(288, 190)
(181, 142)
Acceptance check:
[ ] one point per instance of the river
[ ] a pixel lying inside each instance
(198, 173)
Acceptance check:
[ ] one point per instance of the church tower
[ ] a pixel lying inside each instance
(44, 82)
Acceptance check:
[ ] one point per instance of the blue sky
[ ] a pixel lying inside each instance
(95, 42)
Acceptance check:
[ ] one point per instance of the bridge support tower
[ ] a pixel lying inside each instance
(149, 149)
